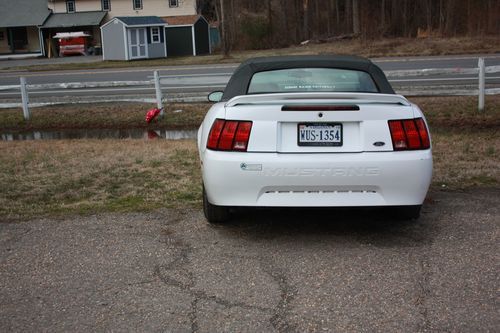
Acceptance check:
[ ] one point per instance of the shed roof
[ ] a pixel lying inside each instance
(22, 13)
(181, 20)
(141, 20)
(79, 19)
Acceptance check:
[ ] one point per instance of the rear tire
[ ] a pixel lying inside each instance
(408, 212)
(213, 213)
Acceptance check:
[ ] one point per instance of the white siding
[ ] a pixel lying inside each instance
(124, 7)
(114, 41)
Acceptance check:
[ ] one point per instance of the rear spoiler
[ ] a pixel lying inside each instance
(329, 97)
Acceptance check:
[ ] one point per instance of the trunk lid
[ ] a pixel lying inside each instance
(276, 119)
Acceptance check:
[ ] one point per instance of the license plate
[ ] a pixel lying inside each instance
(325, 134)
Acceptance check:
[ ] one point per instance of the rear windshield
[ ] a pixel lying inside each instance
(310, 80)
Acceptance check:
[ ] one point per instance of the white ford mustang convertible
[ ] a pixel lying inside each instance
(313, 131)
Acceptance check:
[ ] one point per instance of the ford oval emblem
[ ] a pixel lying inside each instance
(379, 144)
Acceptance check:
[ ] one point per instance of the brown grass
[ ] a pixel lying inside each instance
(459, 113)
(466, 143)
(453, 113)
(41, 178)
(466, 159)
(369, 48)
(87, 176)
(103, 115)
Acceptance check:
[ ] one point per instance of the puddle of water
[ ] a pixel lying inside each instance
(134, 133)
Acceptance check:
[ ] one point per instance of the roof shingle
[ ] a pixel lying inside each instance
(78, 19)
(141, 20)
(181, 20)
(23, 13)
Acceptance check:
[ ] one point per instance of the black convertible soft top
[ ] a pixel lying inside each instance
(238, 84)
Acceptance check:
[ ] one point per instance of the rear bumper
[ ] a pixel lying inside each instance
(317, 180)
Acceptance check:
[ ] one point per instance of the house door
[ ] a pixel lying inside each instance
(137, 43)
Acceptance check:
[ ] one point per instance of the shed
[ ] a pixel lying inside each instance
(187, 35)
(133, 37)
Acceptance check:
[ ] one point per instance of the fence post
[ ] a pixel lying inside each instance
(25, 99)
(481, 84)
(159, 97)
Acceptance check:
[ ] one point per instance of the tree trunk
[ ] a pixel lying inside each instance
(348, 15)
(337, 12)
(382, 18)
(224, 32)
(355, 17)
(305, 28)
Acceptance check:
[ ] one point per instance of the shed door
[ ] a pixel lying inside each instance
(137, 43)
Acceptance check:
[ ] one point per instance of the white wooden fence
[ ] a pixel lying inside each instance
(157, 80)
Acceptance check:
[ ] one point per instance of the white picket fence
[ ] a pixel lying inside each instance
(157, 81)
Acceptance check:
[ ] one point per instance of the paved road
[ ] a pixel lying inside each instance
(297, 271)
(204, 78)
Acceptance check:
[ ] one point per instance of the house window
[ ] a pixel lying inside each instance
(2, 36)
(155, 34)
(173, 3)
(137, 4)
(70, 6)
(106, 5)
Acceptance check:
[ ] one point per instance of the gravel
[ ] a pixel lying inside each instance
(268, 270)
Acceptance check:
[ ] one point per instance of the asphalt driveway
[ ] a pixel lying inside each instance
(325, 270)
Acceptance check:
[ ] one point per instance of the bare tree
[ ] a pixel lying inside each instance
(287, 22)
(356, 29)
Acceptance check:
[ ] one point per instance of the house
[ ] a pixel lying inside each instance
(187, 35)
(91, 15)
(134, 37)
(116, 8)
(126, 29)
(19, 26)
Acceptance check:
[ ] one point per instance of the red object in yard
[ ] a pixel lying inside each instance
(152, 114)
(72, 43)
(153, 135)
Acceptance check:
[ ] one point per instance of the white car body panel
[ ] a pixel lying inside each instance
(317, 180)
(276, 172)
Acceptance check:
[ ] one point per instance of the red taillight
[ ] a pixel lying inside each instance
(213, 137)
(242, 136)
(409, 134)
(227, 136)
(230, 135)
(412, 134)
(398, 135)
(424, 134)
